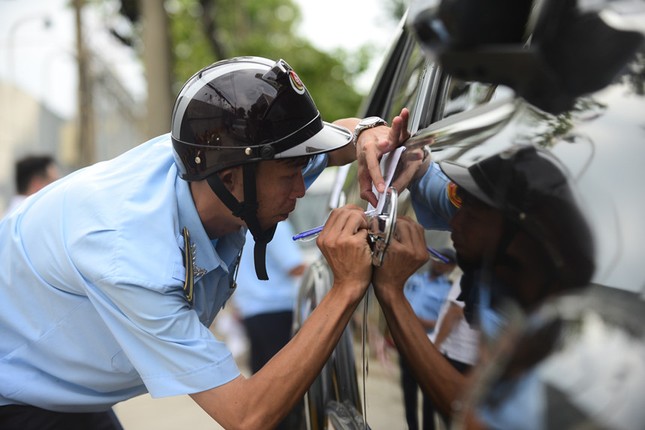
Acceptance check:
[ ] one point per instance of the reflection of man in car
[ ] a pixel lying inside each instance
(552, 53)
(529, 203)
(542, 247)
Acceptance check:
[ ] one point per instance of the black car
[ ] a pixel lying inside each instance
(599, 136)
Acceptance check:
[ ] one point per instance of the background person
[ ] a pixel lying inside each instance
(453, 336)
(457, 340)
(266, 306)
(32, 173)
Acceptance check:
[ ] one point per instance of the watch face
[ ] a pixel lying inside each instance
(370, 120)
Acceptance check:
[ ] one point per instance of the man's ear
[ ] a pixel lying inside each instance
(232, 179)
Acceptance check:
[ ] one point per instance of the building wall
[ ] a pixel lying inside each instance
(27, 126)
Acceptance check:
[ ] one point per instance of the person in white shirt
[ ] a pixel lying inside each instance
(453, 336)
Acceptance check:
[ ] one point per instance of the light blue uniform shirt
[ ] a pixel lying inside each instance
(92, 309)
(430, 200)
(426, 295)
(254, 296)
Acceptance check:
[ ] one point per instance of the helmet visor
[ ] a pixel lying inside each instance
(329, 138)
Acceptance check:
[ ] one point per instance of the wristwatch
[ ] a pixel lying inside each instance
(364, 124)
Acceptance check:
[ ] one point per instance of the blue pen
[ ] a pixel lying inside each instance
(310, 234)
(313, 233)
(438, 255)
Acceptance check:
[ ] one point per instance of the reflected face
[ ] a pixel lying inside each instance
(476, 230)
(525, 270)
(522, 267)
(279, 184)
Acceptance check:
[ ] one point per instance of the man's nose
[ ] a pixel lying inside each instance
(299, 187)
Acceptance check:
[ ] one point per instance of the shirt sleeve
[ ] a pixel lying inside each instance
(140, 300)
(164, 340)
(431, 199)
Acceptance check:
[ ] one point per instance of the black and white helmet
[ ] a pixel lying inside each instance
(244, 110)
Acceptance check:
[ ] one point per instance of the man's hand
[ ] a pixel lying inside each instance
(406, 253)
(412, 165)
(371, 146)
(343, 242)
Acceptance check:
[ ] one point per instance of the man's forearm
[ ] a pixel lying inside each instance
(436, 376)
(297, 365)
(347, 153)
(265, 398)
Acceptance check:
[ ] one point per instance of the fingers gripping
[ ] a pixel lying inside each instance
(371, 149)
(343, 242)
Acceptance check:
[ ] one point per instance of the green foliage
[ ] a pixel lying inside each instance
(204, 31)
(395, 8)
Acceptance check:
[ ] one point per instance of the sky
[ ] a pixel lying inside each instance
(359, 22)
(349, 24)
(37, 43)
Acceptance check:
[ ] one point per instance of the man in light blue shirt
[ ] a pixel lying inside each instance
(112, 275)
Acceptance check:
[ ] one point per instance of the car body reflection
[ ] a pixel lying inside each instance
(600, 141)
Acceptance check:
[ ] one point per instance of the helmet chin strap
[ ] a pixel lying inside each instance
(247, 211)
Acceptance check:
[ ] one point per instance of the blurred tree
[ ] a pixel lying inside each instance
(395, 9)
(157, 59)
(204, 31)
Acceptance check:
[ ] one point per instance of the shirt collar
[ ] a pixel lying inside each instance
(209, 255)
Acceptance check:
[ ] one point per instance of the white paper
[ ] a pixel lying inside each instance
(389, 162)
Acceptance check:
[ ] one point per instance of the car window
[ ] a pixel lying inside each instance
(312, 210)
(406, 90)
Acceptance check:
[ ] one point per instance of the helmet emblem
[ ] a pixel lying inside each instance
(296, 83)
(452, 194)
